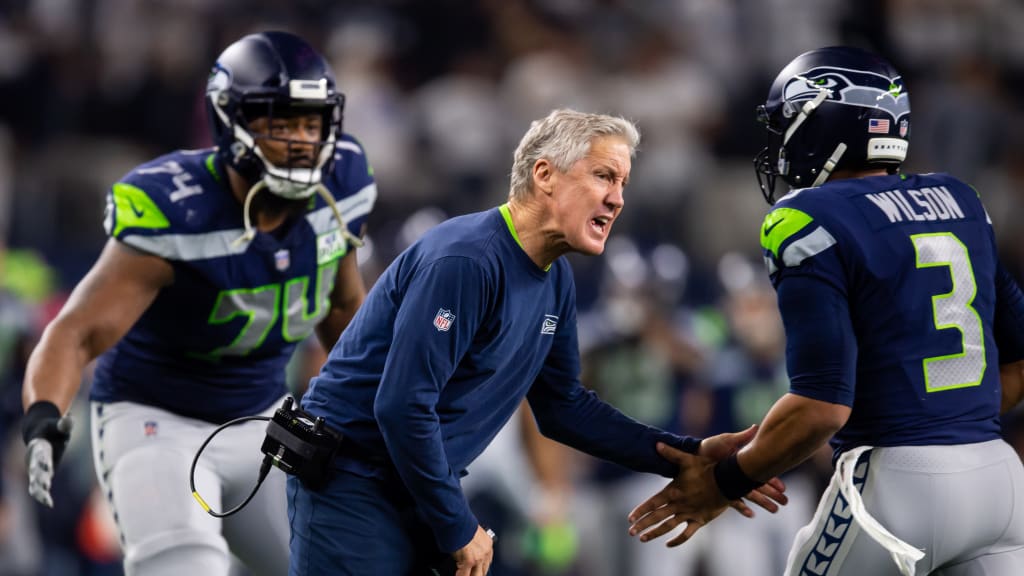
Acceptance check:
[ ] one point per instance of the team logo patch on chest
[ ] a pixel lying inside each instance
(549, 325)
(443, 320)
(330, 246)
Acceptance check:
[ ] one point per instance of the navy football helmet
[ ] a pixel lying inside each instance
(272, 75)
(832, 108)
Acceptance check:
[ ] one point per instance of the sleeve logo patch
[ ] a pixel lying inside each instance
(443, 320)
(549, 325)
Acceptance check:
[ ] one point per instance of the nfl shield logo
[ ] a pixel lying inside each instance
(904, 126)
(282, 260)
(443, 320)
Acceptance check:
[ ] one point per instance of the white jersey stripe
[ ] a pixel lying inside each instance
(802, 249)
(221, 243)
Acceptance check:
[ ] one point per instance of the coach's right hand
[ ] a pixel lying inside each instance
(474, 559)
(46, 433)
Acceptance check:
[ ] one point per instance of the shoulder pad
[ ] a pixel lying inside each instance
(149, 198)
(790, 235)
(131, 207)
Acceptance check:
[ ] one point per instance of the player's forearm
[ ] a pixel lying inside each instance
(343, 309)
(792, 431)
(547, 458)
(330, 328)
(54, 370)
(1011, 379)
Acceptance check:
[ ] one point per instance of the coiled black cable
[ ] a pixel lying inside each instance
(264, 469)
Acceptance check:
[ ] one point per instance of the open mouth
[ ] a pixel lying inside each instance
(601, 224)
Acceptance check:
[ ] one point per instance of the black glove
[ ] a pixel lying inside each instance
(46, 433)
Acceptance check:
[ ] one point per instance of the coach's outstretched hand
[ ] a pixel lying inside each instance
(769, 496)
(46, 434)
(693, 497)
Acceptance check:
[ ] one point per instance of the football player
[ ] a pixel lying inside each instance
(219, 262)
(900, 323)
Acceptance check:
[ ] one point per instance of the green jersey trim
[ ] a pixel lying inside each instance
(507, 215)
(133, 208)
(779, 225)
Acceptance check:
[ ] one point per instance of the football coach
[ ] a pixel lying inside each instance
(475, 316)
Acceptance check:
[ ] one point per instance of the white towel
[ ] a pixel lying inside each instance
(905, 555)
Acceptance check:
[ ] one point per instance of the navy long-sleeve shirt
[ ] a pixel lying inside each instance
(457, 331)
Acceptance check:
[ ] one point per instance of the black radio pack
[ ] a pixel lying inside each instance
(301, 444)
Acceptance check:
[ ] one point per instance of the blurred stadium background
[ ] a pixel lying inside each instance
(678, 325)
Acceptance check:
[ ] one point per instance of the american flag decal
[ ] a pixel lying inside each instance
(443, 320)
(878, 126)
(149, 428)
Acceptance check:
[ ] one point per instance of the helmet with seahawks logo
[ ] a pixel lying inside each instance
(272, 75)
(830, 109)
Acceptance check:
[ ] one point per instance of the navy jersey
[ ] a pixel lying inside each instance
(456, 332)
(215, 343)
(889, 288)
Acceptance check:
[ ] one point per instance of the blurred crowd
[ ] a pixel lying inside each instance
(677, 321)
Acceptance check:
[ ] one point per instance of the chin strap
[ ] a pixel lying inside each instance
(830, 165)
(250, 230)
(329, 199)
(806, 110)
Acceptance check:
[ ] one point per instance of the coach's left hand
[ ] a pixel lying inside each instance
(691, 498)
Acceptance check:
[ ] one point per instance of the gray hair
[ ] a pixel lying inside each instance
(563, 137)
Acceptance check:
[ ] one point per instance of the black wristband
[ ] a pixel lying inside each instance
(691, 445)
(732, 482)
(38, 420)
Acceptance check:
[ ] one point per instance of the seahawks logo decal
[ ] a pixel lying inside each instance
(852, 87)
(219, 79)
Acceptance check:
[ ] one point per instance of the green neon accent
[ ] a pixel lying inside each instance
(134, 209)
(819, 81)
(211, 167)
(895, 90)
(779, 225)
(322, 295)
(507, 215)
(369, 169)
(304, 280)
(903, 176)
(968, 283)
(250, 315)
(978, 194)
(333, 250)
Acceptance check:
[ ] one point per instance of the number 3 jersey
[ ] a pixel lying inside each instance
(895, 304)
(214, 345)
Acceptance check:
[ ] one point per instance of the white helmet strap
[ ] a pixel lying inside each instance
(805, 111)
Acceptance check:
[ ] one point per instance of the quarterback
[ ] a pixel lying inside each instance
(905, 342)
